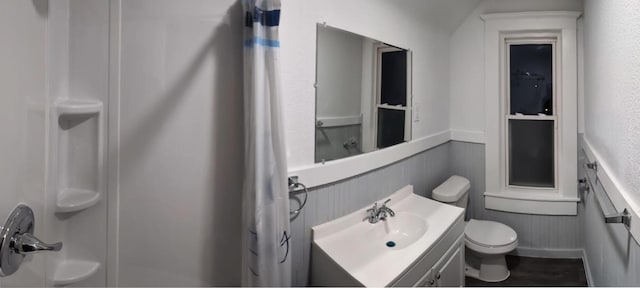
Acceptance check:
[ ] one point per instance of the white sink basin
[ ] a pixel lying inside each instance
(361, 248)
(397, 232)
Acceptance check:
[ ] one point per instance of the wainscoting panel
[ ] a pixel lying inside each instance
(425, 171)
(534, 231)
(612, 256)
(552, 235)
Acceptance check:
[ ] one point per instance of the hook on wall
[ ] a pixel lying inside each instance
(294, 184)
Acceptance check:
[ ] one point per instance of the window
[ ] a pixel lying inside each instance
(393, 117)
(531, 120)
(531, 127)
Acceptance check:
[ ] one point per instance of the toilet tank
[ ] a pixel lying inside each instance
(454, 191)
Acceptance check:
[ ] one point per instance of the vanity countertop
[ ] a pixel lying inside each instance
(360, 249)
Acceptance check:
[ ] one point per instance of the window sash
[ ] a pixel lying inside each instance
(535, 40)
(508, 116)
(378, 90)
(507, 152)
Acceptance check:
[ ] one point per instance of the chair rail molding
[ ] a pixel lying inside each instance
(320, 174)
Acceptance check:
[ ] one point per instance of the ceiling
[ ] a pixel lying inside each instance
(445, 14)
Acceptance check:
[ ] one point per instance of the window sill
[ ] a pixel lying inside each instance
(532, 202)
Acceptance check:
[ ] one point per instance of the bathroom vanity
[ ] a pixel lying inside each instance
(422, 245)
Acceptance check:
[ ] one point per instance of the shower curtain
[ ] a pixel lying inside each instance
(266, 241)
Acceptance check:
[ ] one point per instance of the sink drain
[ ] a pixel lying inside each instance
(391, 244)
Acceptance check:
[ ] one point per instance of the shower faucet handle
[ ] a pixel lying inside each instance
(17, 240)
(27, 244)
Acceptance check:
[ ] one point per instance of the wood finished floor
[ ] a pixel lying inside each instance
(527, 271)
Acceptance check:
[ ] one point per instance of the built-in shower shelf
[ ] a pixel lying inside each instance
(78, 107)
(74, 271)
(72, 200)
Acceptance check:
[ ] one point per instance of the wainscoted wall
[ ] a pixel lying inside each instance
(425, 171)
(612, 255)
(540, 232)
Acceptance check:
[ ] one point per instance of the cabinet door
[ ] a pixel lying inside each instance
(426, 280)
(451, 274)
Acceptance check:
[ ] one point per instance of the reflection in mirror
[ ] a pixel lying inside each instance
(363, 94)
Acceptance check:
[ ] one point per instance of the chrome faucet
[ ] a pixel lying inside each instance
(379, 214)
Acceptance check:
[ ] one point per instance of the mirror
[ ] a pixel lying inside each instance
(363, 94)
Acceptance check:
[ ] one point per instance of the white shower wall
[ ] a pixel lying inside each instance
(78, 58)
(179, 154)
(23, 90)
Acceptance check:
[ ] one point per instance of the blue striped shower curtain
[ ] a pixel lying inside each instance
(266, 244)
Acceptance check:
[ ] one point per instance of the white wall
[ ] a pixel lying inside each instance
(612, 128)
(181, 142)
(339, 73)
(388, 21)
(467, 60)
(612, 88)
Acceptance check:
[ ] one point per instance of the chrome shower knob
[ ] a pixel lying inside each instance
(17, 240)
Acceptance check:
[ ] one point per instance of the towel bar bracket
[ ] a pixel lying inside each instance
(623, 217)
(584, 183)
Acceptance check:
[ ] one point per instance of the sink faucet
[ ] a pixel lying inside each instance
(379, 214)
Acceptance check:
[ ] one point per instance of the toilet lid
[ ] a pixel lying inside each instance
(489, 233)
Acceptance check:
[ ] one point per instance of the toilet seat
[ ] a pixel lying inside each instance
(490, 237)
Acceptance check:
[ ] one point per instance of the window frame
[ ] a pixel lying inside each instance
(526, 39)
(526, 200)
(379, 49)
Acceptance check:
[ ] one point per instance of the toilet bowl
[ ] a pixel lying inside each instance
(489, 240)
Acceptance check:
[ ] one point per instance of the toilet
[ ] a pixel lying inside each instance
(490, 240)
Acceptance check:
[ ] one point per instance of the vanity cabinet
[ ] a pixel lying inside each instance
(448, 272)
(451, 274)
(442, 266)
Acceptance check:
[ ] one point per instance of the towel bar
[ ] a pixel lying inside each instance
(610, 213)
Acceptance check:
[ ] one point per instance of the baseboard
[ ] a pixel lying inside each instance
(558, 254)
(548, 253)
(587, 269)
